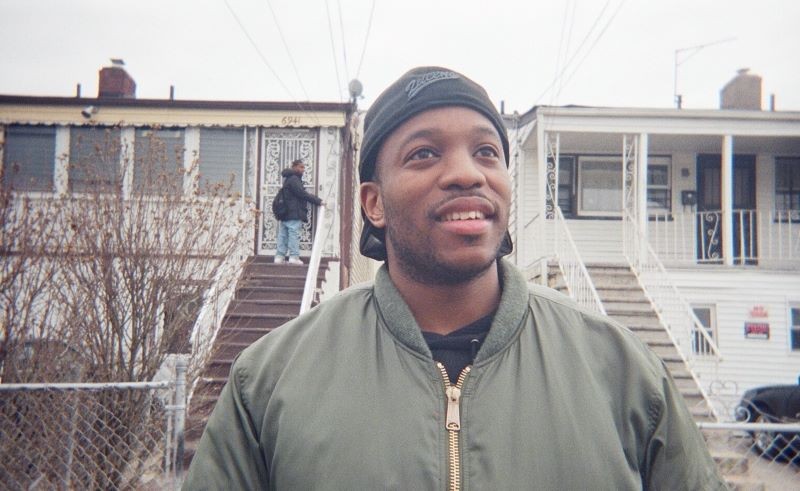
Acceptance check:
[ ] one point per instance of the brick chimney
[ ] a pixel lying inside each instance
(742, 92)
(115, 82)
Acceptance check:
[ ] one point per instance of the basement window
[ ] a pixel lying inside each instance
(707, 316)
(794, 329)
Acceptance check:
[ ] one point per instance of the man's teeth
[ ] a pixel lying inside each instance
(464, 215)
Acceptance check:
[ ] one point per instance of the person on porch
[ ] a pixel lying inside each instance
(449, 371)
(297, 199)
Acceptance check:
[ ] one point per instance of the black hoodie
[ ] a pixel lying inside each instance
(297, 196)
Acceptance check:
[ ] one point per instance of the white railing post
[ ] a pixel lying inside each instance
(180, 414)
(313, 263)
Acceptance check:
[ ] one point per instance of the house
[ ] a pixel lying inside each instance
(702, 206)
(196, 151)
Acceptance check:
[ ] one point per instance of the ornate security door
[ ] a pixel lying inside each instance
(280, 148)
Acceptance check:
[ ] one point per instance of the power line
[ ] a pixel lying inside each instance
(597, 40)
(366, 39)
(288, 51)
(344, 46)
(575, 53)
(258, 50)
(333, 51)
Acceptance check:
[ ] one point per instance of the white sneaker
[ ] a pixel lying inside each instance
(294, 260)
(279, 260)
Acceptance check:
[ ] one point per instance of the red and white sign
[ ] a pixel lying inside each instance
(756, 330)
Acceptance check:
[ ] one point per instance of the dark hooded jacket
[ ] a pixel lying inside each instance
(297, 196)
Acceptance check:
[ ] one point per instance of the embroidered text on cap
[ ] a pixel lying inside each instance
(426, 79)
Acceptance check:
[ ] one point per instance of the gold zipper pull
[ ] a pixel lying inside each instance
(453, 421)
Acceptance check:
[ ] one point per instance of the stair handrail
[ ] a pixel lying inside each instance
(573, 269)
(310, 285)
(217, 298)
(633, 253)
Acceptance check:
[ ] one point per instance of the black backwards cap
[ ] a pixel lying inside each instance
(420, 89)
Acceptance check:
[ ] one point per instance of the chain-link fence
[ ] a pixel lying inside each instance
(756, 455)
(92, 436)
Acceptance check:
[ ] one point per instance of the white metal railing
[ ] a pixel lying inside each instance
(219, 295)
(577, 279)
(674, 311)
(759, 237)
(310, 287)
(675, 314)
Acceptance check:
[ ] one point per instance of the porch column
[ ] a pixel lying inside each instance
(726, 189)
(539, 243)
(641, 187)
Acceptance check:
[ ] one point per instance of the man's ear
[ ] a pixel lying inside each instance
(372, 203)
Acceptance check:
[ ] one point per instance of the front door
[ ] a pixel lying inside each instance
(709, 208)
(279, 149)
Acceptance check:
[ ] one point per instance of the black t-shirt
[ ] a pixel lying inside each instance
(457, 349)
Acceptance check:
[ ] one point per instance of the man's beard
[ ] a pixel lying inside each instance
(418, 258)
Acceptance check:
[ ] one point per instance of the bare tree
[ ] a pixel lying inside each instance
(102, 283)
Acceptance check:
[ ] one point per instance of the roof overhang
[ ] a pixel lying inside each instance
(149, 112)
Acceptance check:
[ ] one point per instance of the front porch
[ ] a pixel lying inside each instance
(701, 187)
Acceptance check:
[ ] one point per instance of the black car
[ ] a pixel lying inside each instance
(773, 404)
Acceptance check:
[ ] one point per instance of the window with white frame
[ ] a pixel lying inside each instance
(94, 159)
(706, 314)
(29, 157)
(794, 328)
(787, 188)
(158, 166)
(659, 193)
(600, 186)
(221, 160)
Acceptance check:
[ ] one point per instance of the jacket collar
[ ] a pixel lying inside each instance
(512, 310)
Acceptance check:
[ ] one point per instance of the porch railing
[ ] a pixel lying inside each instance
(763, 237)
(577, 279)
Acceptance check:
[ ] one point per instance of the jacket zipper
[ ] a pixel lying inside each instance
(453, 423)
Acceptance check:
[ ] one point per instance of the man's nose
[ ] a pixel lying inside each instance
(461, 169)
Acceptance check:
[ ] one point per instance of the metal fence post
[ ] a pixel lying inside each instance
(180, 413)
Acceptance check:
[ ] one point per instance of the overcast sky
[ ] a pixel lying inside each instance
(525, 52)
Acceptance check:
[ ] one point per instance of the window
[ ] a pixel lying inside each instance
(94, 155)
(566, 171)
(221, 160)
(158, 161)
(600, 186)
(794, 329)
(787, 188)
(707, 317)
(658, 185)
(29, 158)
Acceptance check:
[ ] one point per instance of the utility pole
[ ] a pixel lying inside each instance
(690, 52)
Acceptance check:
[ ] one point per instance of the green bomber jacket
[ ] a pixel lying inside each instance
(348, 397)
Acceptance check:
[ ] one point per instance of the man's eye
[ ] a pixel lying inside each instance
(487, 151)
(422, 154)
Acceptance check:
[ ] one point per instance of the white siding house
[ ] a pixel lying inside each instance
(703, 205)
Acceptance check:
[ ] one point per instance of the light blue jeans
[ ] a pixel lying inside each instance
(289, 237)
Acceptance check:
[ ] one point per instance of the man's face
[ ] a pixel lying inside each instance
(299, 169)
(442, 194)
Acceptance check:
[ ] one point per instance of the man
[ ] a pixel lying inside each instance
(449, 371)
(296, 199)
